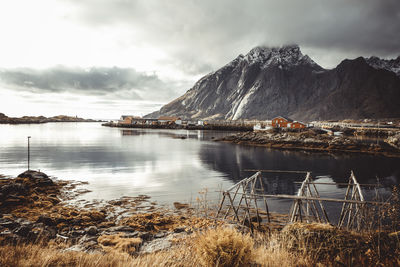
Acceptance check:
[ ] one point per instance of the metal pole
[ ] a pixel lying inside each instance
(29, 155)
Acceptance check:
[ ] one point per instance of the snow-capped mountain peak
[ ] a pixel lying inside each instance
(284, 56)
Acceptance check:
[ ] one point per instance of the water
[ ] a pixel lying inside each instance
(174, 165)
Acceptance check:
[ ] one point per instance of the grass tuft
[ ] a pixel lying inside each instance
(224, 247)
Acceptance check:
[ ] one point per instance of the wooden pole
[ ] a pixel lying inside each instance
(229, 207)
(233, 207)
(264, 198)
(321, 205)
(344, 206)
(29, 153)
(221, 203)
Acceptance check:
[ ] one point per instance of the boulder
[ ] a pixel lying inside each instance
(37, 178)
(92, 230)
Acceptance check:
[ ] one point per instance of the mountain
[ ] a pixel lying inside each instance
(392, 65)
(268, 82)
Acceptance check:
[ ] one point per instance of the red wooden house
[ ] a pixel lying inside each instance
(283, 122)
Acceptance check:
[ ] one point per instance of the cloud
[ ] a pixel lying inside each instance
(119, 83)
(210, 33)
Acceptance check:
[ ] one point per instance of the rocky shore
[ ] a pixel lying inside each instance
(35, 208)
(314, 140)
(40, 119)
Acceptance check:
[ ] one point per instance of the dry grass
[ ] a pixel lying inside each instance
(36, 255)
(297, 245)
(224, 247)
(116, 243)
(156, 221)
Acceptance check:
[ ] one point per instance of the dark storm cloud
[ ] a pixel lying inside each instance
(118, 82)
(203, 35)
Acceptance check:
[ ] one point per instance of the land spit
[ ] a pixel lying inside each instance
(315, 141)
(214, 127)
(36, 215)
(41, 119)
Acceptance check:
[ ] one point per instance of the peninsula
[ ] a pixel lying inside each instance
(4, 119)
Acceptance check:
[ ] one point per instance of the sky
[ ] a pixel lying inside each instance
(102, 59)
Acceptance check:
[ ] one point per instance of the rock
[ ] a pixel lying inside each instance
(13, 188)
(5, 233)
(91, 245)
(179, 205)
(46, 220)
(87, 238)
(179, 229)
(121, 228)
(131, 235)
(92, 230)
(45, 233)
(144, 235)
(76, 233)
(8, 224)
(38, 178)
(12, 201)
(156, 245)
(76, 248)
(62, 238)
(161, 243)
(23, 230)
(160, 235)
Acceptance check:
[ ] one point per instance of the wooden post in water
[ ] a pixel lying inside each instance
(29, 153)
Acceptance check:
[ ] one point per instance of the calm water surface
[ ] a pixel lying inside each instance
(173, 165)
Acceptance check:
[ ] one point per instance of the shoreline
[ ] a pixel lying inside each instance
(310, 143)
(41, 119)
(182, 127)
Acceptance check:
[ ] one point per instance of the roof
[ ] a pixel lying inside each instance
(300, 122)
(166, 118)
(129, 116)
(288, 119)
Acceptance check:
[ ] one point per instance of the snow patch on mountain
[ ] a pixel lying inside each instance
(392, 65)
(283, 57)
(243, 103)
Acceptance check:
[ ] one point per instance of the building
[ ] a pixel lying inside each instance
(259, 127)
(135, 120)
(283, 122)
(297, 125)
(127, 119)
(169, 120)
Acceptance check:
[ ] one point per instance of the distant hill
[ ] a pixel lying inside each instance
(268, 82)
(40, 119)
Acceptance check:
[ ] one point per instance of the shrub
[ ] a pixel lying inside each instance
(224, 247)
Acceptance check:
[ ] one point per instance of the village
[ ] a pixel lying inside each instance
(281, 122)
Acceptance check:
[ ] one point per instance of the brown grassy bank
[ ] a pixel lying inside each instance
(296, 245)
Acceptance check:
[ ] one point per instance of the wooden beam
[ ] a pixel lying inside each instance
(316, 198)
(277, 171)
(322, 183)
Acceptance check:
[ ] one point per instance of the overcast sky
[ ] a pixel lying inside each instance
(104, 58)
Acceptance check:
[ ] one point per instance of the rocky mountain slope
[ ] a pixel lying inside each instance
(268, 82)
